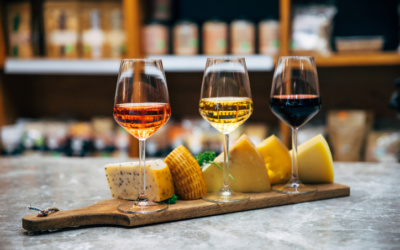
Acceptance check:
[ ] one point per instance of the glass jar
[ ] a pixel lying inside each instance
(185, 38)
(215, 34)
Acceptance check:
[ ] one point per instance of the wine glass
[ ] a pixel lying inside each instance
(295, 100)
(225, 102)
(141, 107)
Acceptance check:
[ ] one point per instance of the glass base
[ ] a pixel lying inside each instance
(294, 188)
(225, 196)
(142, 207)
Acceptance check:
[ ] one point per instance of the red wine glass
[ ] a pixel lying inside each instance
(295, 100)
(141, 107)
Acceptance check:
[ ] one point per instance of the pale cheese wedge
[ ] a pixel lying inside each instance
(246, 166)
(277, 159)
(315, 161)
(124, 180)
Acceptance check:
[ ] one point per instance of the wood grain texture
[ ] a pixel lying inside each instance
(285, 20)
(105, 212)
(354, 59)
(133, 23)
(2, 41)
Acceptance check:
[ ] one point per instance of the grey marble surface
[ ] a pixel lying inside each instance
(368, 219)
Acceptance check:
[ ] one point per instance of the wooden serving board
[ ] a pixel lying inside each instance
(105, 212)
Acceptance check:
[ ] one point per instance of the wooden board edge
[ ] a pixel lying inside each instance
(252, 204)
(109, 215)
(80, 217)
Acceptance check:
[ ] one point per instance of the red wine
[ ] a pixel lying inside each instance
(295, 110)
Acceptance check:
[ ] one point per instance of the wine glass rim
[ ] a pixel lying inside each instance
(296, 57)
(226, 58)
(141, 59)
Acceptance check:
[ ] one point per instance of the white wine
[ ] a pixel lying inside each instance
(226, 113)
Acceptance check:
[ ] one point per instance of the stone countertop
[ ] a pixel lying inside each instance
(368, 219)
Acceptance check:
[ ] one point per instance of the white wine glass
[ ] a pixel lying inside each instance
(141, 107)
(226, 103)
(295, 99)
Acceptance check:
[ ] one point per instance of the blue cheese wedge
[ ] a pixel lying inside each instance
(124, 180)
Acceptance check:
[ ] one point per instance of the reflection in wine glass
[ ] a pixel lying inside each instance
(141, 107)
(295, 100)
(225, 102)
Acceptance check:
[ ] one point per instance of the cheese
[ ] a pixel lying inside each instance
(277, 159)
(315, 161)
(188, 178)
(125, 183)
(246, 166)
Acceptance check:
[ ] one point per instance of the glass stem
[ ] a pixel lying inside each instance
(295, 164)
(142, 167)
(226, 184)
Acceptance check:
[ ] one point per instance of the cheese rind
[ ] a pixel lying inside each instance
(188, 178)
(315, 161)
(246, 166)
(277, 159)
(125, 183)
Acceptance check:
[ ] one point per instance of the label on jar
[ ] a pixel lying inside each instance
(242, 37)
(215, 38)
(186, 39)
(155, 39)
(268, 37)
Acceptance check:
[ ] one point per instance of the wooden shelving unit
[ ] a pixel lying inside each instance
(372, 59)
(133, 20)
(132, 14)
(2, 60)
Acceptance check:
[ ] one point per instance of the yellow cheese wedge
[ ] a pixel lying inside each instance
(246, 166)
(277, 159)
(124, 180)
(315, 161)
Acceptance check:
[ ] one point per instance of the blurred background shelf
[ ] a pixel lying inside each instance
(111, 66)
(173, 63)
(61, 66)
(84, 88)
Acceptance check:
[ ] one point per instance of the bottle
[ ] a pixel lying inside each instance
(268, 34)
(19, 29)
(115, 35)
(155, 38)
(93, 38)
(215, 34)
(185, 38)
(242, 37)
(161, 10)
(61, 24)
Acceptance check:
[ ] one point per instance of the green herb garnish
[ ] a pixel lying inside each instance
(171, 200)
(205, 158)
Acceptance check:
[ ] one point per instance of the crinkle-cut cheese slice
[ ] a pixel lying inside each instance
(125, 183)
(315, 161)
(277, 159)
(246, 166)
(187, 175)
